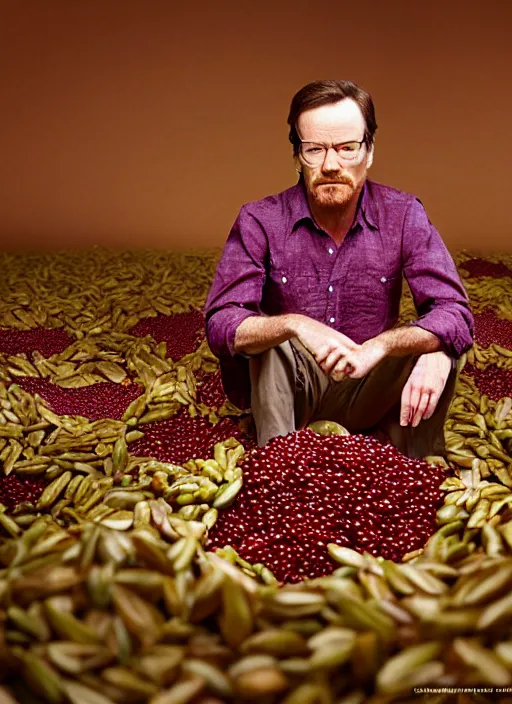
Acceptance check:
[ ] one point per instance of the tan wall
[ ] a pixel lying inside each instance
(147, 123)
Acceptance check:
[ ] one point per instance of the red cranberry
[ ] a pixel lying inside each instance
(303, 491)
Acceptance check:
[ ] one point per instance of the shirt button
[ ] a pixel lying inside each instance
(331, 320)
(331, 250)
(383, 280)
(330, 289)
(284, 279)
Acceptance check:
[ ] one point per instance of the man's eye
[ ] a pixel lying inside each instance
(347, 147)
(314, 150)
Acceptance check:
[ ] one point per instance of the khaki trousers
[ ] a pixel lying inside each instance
(289, 390)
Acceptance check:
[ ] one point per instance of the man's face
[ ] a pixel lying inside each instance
(333, 183)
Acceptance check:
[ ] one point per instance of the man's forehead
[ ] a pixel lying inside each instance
(336, 118)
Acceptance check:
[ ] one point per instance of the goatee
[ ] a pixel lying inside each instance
(329, 194)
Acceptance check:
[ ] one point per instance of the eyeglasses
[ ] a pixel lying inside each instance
(314, 153)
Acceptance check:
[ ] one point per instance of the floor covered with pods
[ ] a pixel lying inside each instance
(150, 552)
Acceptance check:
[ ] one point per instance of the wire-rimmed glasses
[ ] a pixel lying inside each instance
(314, 153)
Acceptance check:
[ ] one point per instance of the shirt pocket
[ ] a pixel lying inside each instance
(287, 291)
(374, 294)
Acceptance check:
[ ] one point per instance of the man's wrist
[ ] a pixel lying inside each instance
(293, 323)
(384, 341)
(406, 340)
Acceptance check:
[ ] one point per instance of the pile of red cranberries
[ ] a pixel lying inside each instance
(210, 390)
(489, 328)
(481, 267)
(102, 400)
(304, 490)
(492, 381)
(16, 490)
(182, 332)
(47, 341)
(182, 438)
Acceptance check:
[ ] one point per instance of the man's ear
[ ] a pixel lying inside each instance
(369, 159)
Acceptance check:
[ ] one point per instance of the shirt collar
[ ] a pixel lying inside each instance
(299, 207)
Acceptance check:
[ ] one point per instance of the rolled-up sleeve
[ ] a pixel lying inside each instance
(439, 296)
(237, 287)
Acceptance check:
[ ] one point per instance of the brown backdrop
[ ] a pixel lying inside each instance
(136, 123)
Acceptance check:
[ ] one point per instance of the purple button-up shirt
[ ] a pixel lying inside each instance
(277, 260)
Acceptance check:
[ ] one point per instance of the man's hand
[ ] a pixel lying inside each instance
(395, 342)
(328, 347)
(361, 361)
(424, 387)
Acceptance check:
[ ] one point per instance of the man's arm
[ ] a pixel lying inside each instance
(400, 342)
(439, 295)
(236, 291)
(256, 335)
(259, 333)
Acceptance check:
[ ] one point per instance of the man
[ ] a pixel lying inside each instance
(302, 312)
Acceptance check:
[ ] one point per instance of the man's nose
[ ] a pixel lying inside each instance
(331, 162)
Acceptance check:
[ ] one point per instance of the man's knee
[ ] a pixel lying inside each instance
(272, 371)
(272, 361)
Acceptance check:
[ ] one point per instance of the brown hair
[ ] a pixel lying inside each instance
(318, 93)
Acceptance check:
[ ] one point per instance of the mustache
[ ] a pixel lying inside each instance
(343, 180)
